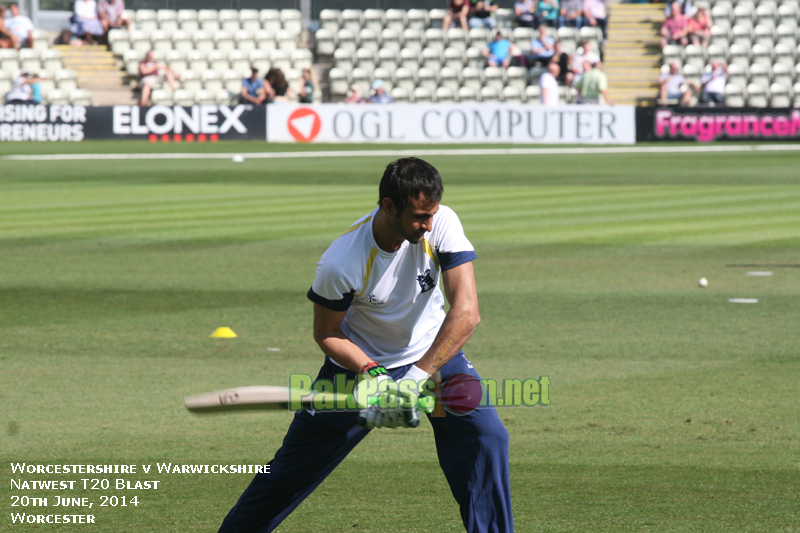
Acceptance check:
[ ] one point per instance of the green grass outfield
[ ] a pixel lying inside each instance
(672, 409)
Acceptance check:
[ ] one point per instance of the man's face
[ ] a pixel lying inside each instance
(14, 10)
(416, 219)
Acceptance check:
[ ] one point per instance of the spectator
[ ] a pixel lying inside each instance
(542, 48)
(685, 8)
(571, 14)
(480, 14)
(112, 15)
(354, 96)
(525, 12)
(564, 62)
(253, 89)
(548, 86)
(379, 95)
(24, 90)
(594, 13)
(20, 27)
(675, 28)
(592, 84)
(86, 23)
(456, 10)
(713, 84)
(700, 28)
(7, 39)
(498, 52)
(308, 86)
(547, 13)
(278, 89)
(153, 73)
(583, 54)
(669, 87)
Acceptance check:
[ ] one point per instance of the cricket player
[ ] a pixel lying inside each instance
(379, 311)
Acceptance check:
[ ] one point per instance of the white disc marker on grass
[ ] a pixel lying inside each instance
(759, 273)
(743, 300)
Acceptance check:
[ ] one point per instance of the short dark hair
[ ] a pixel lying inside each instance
(406, 179)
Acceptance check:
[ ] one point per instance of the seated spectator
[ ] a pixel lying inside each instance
(7, 39)
(457, 10)
(308, 86)
(25, 90)
(564, 62)
(86, 24)
(498, 52)
(480, 14)
(675, 28)
(253, 89)
(571, 14)
(354, 96)
(525, 13)
(685, 8)
(547, 13)
(669, 87)
(592, 84)
(20, 27)
(379, 94)
(700, 28)
(112, 15)
(594, 13)
(542, 49)
(583, 54)
(548, 85)
(713, 84)
(152, 73)
(278, 89)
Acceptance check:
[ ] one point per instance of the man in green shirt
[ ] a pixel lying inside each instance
(592, 84)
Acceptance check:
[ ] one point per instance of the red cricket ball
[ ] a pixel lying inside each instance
(461, 393)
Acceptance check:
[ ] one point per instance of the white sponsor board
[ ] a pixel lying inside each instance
(451, 123)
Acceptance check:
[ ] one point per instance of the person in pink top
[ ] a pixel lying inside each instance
(700, 27)
(675, 28)
(594, 14)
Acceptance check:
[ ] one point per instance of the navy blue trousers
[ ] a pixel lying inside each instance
(472, 450)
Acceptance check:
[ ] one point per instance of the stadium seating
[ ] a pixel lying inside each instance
(195, 43)
(60, 84)
(759, 43)
(413, 47)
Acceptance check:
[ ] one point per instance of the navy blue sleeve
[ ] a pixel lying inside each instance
(333, 305)
(452, 260)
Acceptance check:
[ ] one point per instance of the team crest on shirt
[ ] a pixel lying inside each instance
(373, 300)
(425, 281)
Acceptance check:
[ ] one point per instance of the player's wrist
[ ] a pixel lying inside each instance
(374, 369)
(416, 373)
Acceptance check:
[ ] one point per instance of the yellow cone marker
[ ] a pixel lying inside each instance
(223, 333)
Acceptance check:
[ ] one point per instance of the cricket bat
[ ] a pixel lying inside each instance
(256, 398)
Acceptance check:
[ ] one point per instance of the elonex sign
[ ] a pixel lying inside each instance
(160, 120)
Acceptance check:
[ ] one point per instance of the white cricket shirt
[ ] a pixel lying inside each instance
(393, 301)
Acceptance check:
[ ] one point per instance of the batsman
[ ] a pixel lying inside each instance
(379, 314)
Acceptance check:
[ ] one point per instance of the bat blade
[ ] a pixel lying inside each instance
(255, 398)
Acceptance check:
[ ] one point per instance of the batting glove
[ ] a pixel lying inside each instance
(399, 404)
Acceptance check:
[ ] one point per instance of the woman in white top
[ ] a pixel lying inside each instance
(86, 23)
